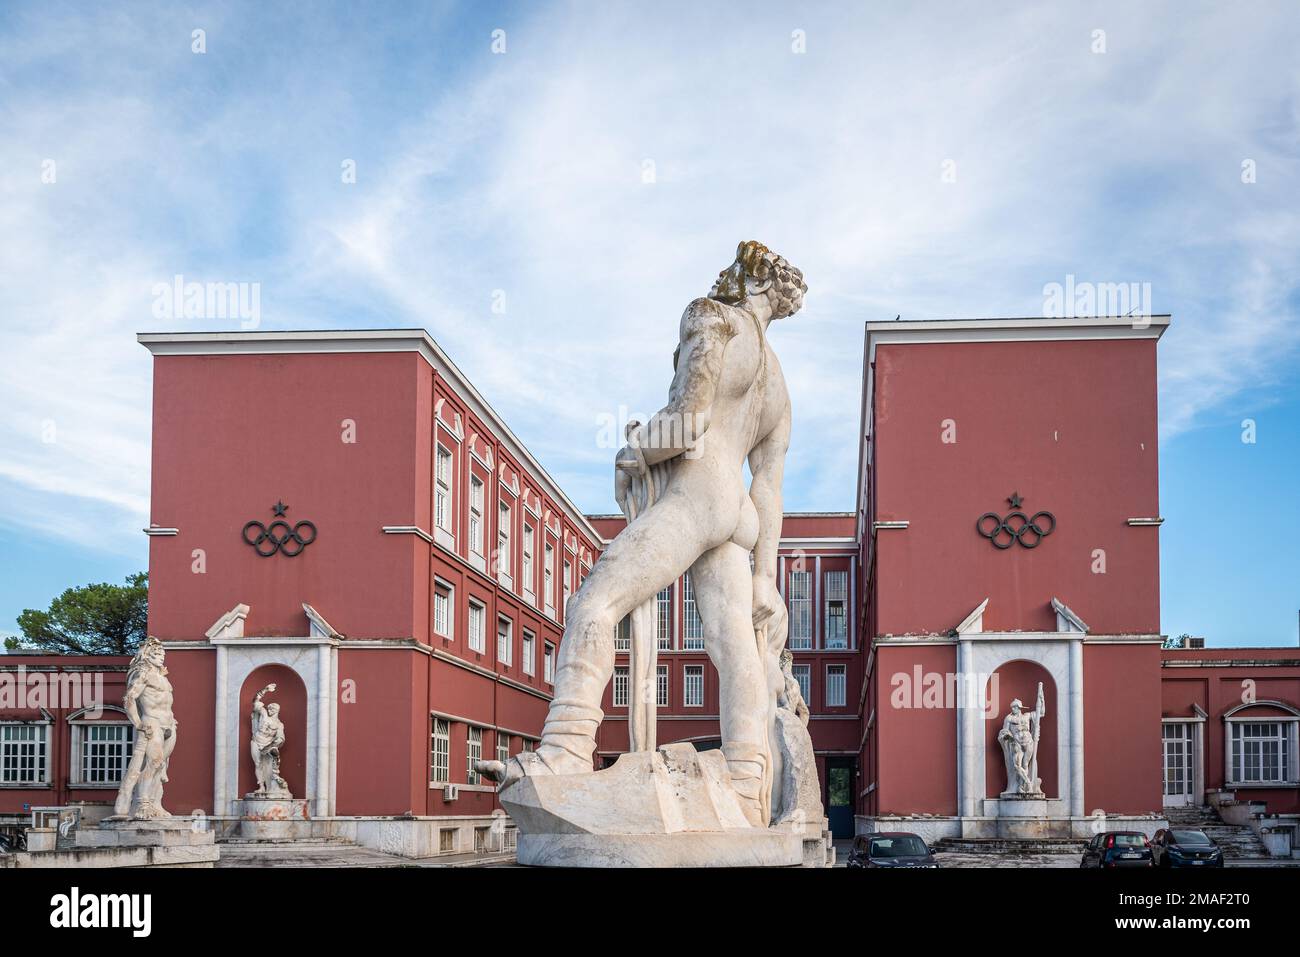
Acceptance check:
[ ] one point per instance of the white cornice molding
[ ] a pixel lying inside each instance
(229, 625)
(285, 342)
(155, 530)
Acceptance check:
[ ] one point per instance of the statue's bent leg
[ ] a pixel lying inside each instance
(650, 555)
(724, 596)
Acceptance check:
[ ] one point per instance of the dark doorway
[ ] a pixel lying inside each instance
(840, 773)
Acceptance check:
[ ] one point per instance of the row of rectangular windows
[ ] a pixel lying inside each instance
(444, 603)
(836, 686)
(502, 558)
(100, 753)
(440, 750)
(835, 635)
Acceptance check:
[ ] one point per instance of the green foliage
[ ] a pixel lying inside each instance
(99, 619)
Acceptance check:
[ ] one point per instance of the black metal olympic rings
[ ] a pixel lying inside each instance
(279, 536)
(1014, 527)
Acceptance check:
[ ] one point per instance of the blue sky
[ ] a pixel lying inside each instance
(525, 172)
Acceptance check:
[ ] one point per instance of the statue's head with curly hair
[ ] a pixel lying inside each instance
(759, 271)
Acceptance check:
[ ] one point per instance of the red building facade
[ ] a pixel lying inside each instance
(342, 514)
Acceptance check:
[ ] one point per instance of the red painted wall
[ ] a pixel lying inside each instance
(1071, 426)
(1121, 728)
(232, 435)
(1230, 678)
(916, 760)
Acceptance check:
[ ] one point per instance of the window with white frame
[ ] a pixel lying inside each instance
(477, 627)
(693, 687)
(476, 514)
(101, 751)
(505, 642)
(548, 662)
(440, 752)
(800, 604)
(836, 586)
(503, 746)
(1263, 752)
(442, 608)
(664, 619)
(661, 686)
(692, 624)
(526, 566)
(526, 745)
(623, 634)
(527, 649)
(442, 490)
(548, 575)
(803, 675)
(503, 540)
(836, 686)
(620, 687)
(473, 752)
(568, 585)
(23, 753)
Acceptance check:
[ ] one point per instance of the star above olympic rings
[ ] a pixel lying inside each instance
(279, 508)
(1015, 500)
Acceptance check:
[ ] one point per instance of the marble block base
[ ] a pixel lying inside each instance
(670, 808)
(158, 842)
(273, 819)
(754, 847)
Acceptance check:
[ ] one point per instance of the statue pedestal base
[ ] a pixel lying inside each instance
(669, 808)
(157, 842)
(1024, 817)
(273, 818)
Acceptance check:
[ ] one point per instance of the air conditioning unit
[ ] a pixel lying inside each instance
(450, 792)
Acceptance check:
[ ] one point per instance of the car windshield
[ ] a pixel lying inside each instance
(1130, 840)
(1189, 837)
(908, 845)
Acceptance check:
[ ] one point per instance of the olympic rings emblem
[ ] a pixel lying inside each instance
(279, 536)
(1015, 526)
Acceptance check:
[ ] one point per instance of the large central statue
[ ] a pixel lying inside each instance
(681, 480)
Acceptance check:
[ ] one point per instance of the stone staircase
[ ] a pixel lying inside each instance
(1239, 841)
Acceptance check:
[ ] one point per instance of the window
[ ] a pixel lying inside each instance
(837, 602)
(661, 686)
(442, 620)
(473, 752)
(623, 634)
(548, 663)
(568, 585)
(505, 642)
(503, 747)
(503, 541)
(664, 619)
(835, 686)
(693, 690)
(526, 569)
(102, 751)
(548, 572)
(526, 651)
(693, 639)
(525, 745)
(23, 753)
(440, 752)
(800, 610)
(620, 687)
(476, 514)
(446, 840)
(1262, 752)
(442, 491)
(477, 627)
(803, 675)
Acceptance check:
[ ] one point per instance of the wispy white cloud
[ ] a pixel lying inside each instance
(525, 174)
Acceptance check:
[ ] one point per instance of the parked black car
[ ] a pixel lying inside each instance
(1118, 849)
(890, 849)
(1184, 847)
